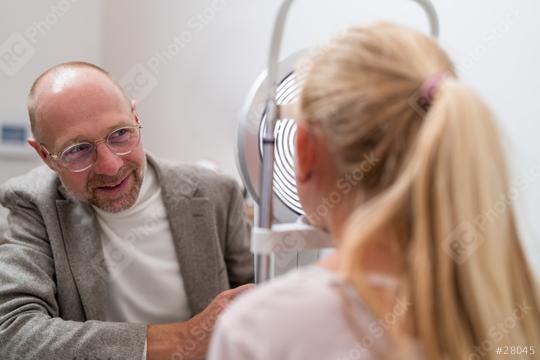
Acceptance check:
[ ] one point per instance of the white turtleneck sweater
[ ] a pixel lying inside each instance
(145, 284)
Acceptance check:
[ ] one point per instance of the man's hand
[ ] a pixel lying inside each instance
(189, 340)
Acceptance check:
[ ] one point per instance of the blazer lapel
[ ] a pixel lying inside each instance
(194, 233)
(85, 254)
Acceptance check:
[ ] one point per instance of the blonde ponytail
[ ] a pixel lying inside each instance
(468, 273)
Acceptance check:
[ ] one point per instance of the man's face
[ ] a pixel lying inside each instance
(83, 105)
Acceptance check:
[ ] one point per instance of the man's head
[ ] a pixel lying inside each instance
(79, 103)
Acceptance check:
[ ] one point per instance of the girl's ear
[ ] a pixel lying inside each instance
(304, 152)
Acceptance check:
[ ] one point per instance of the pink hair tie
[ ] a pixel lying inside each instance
(429, 87)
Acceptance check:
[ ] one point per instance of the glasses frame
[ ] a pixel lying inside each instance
(56, 157)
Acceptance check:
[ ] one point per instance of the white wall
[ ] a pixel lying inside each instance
(35, 35)
(195, 87)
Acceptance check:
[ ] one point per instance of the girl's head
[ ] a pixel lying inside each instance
(361, 109)
(370, 146)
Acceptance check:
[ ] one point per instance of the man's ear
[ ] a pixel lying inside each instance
(42, 154)
(134, 111)
(304, 152)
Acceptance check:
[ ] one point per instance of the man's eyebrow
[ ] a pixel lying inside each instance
(80, 138)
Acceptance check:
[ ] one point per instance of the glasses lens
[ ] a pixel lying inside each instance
(78, 156)
(123, 140)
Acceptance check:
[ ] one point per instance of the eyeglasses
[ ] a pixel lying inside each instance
(82, 156)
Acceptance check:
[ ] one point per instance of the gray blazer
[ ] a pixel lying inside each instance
(53, 276)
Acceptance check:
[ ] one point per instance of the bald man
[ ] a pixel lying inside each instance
(112, 253)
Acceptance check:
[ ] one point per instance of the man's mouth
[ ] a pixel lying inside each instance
(115, 187)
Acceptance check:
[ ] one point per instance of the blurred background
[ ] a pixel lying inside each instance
(190, 65)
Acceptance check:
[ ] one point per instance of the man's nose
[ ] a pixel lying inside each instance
(107, 163)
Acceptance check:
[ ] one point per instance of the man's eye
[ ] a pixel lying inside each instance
(120, 134)
(77, 150)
